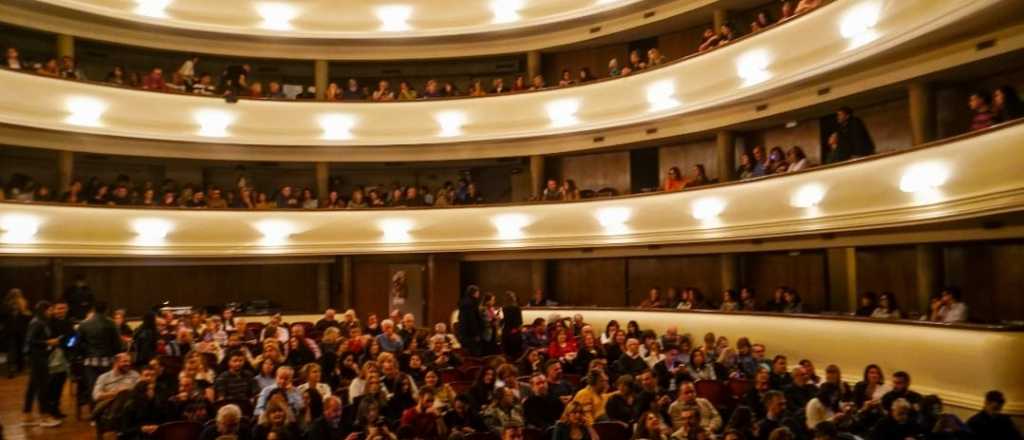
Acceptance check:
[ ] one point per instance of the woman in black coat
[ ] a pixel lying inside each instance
(38, 345)
(144, 340)
(512, 327)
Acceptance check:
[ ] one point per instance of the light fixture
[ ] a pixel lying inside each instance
(85, 111)
(337, 126)
(275, 232)
(510, 226)
(394, 18)
(213, 123)
(277, 16)
(707, 208)
(151, 231)
(563, 112)
(752, 67)
(614, 219)
(451, 122)
(661, 95)
(395, 230)
(808, 196)
(923, 180)
(858, 24)
(506, 11)
(18, 228)
(152, 8)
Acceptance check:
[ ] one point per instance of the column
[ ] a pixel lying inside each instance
(65, 46)
(323, 286)
(65, 171)
(842, 279)
(536, 176)
(921, 102)
(344, 268)
(726, 147)
(533, 65)
(539, 277)
(730, 268)
(323, 180)
(321, 76)
(929, 275)
(721, 16)
(56, 278)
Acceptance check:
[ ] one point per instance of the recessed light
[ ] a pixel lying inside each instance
(213, 123)
(395, 230)
(752, 67)
(563, 112)
(337, 126)
(85, 111)
(18, 228)
(151, 231)
(277, 16)
(275, 232)
(506, 11)
(152, 8)
(858, 24)
(661, 95)
(394, 18)
(808, 196)
(707, 208)
(510, 226)
(451, 123)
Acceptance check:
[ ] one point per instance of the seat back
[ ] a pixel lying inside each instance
(461, 386)
(716, 392)
(178, 431)
(739, 387)
(449, 375)
(612, 431)
(482, 436)
(533, 434)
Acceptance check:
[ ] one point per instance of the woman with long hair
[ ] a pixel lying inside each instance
(144, 340)
(573, 425)
(276, 422)
(650, 427)
(18, 317)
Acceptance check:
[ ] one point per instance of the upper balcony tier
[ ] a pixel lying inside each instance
(694, 94)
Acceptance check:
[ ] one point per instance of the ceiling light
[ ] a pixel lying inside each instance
(396, 230)
(18, 228)
(152, 8)
(858, 24)
(85, 111)
(213, 123)
(277, 16)
(563, 112)
(506, 11)
(451, 123)
(151, 231)
(808, 196)
(923, 177)
(614, 219)
(394, 18)
(510, 226)
(275, 232)
(707, 208)
(337, 126)
(752, 67)
(661, 95)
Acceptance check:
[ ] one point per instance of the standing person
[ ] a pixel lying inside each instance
(853, 135)
(80, 298)
(18, 317)
(100, 341)
(511, 327)
(470, 324)
(62, 328)
(491, 317)
(38, 344)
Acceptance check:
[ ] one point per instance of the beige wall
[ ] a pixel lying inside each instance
(596, 171)
(688, 154)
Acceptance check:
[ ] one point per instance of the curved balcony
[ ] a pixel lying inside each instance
(763, 64)
(941, 182)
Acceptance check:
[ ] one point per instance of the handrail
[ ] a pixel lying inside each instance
(850, 163)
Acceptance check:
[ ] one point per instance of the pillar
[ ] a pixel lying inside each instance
(921, 103)
(929, 275)
(539, 277)
(842, 278)
(726, 147)
(321, 76)
(323, 180)
(65, 170)
(720, 17)
(56, 278)
(65, 46)
(730, 268)
(323, 286)
(344, 268)
(536, 176)
(533, 65)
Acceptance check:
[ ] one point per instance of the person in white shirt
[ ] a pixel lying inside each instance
(13, 60)
(887, 308)
(948, 308)
(797, 159)
(188, 68)
(826, 407)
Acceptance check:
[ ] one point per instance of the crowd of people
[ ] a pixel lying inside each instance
(495, 376)
(239, 80)
(945, 307)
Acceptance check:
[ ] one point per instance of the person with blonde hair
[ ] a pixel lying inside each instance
(312, 373)
(277, 421)
(573, 424)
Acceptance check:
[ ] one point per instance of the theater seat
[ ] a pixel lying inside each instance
(178, 431)
(716, 393)
(612, 431)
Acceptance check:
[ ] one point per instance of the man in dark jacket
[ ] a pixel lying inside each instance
(853, 135)
(99, 341)
(331, 425)
(470, 324)
(79, 298)
(541, 409)
(62, 328)
(990, 422)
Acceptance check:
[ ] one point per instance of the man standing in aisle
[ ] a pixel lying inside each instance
(470, 325)
(100, 342)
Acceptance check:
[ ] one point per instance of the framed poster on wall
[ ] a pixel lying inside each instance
(406, 289)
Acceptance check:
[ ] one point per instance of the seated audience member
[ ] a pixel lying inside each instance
(636, 63)
(948, 308)
(383, 92)
(673, 180)
(49, 68)
(12, 60)
(776, 161)
(121, 377)
(235, 383)
(423, 421)
(283, 382)
(726, 34)
(654, 57)
(155, 80)
(69, 69)
(537, 83)
(476, 89)
(204, 86)
(584, 75)
(432, 89)
(709, 40)
(797, 160)
(450, 90)
(806, 6)
(388, 339)
(570, 191)
(761, 22)
(699, 177)
(779, 377)
(699, 368)
(552, 192)
(313, 374)
(228, 423)
(352, 91)
(900, 390)
(793, 302)
(760, 164)
(143, 413)
(887, 308)
(836, 153)
(687, 400)
(653, 300)
(498, 86)
(613, 68)
(519, 84)
(274, 90)
(461, 419)
(729, 302)
(990, 422)
(592, 397)
(277, 422)
(1006, 104)
(620, 405)
(898, 424)
(406, 92)
(573, 424)
(800, 391)
(981, 106)
(630, 362)
(853, 134)
(503, 410)
(745, 170)
(328, 320)
(867, 303)
(116, 76)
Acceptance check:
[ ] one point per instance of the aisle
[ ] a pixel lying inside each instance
(13, 392)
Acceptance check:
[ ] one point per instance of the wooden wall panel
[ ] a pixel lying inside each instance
(889, 124)
(138, 288)
(804, 272)
(686, 155)
(594, 58)
(991, 278)
(805, 135)
(596, 171)
(679, 44)
(443, 289)
(370, 285)
(600, 282)
(700, 271)
(892, 269)
(500, 276)
(33, 277)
